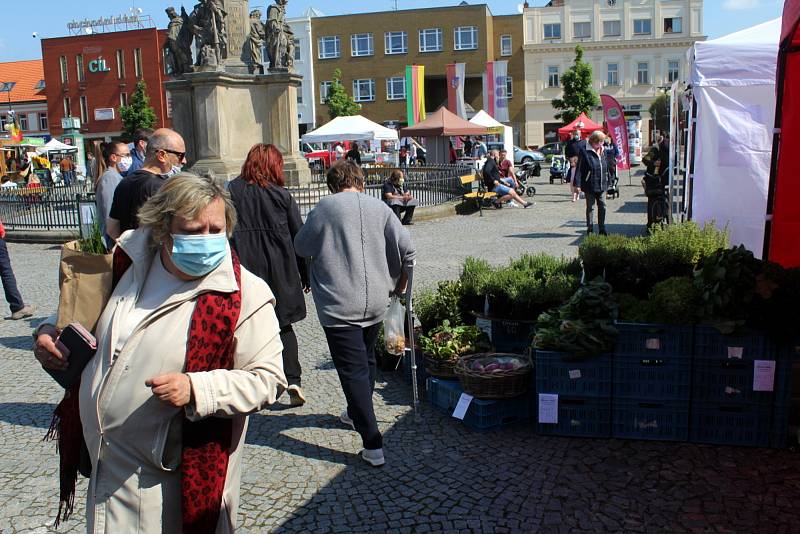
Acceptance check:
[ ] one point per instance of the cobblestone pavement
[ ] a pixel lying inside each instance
(301, 472)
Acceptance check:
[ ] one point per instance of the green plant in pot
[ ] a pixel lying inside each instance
(474, 277)
(435, 306)
(727, 284)
(445, 344)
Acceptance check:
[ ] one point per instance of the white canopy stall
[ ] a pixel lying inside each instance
(354, 128)
(54, 145)
(506, 133)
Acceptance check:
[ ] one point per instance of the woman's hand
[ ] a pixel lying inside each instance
(49, 352)
(172, 388)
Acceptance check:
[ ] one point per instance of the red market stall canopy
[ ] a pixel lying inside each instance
(443, 123)
(587, 127)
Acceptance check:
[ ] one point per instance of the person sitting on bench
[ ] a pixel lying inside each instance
(398, 197)
(503, 187)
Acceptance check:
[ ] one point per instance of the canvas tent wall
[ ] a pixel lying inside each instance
(733, 89)
(482, 118)
(354, 128)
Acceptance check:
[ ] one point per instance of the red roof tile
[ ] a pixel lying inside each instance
(27, 75)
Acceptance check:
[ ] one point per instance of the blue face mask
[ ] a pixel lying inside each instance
(198, 255)
(173, 171)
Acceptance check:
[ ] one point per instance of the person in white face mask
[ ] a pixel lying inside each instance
(117, 156)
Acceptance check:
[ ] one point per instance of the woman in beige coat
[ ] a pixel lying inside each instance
(136, 398)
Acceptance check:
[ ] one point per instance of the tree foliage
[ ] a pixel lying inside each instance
(579, 95)
(659, 111)
(339, 102)
(138, 113)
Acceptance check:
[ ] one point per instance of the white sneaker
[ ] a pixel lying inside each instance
(344, 418)
(373, 457)
(296, 397)
(512, 204)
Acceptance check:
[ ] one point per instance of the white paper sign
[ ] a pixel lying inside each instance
(574, 374)
(735, 352)
(548, 408)
(653, 343)
(461, 407)
(764, 375)
(484, 325)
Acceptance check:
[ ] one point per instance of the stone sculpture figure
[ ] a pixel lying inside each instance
(178, 55)
(210, 33)
(255, 42)
(280, 38)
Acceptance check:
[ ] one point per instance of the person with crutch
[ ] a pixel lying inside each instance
(360, 255)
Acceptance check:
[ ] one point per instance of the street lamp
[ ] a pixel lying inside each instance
(6, 87)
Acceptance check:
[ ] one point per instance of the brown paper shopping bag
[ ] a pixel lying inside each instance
(85, 283)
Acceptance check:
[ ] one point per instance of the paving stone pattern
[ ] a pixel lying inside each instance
(301, 472)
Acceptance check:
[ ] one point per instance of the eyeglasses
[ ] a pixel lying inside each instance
(179, 155)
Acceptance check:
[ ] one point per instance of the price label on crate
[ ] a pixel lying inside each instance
(462, 406)
(574, 374)
(735, 353)
(652, 343)
(764, 375)
(548, 408)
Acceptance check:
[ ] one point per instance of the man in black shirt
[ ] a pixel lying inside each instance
(503, 187)
(165, 155)
(354, 154)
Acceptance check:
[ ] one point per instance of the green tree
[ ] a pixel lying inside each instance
(659, 111)
(579, 95)
(138, 113)
(340, 104)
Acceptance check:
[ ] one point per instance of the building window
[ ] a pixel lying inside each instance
(552, 31)
(84, 110)
(641, 27)
(297, 50)
(23, 122)
(67, 107)
(612, 28)
(43, 122)
(552, 76)
(324, 87)
(509, 86)
(79, 67)
(430, 40)
(364, 90)
(299, 98)
(40, 85)
(673, 25)
(62, 61)
(123, 99)
(361, 44)
(642, 73)
(396, 88)
(395, 42)
(505, 45)
(612, 74)
(120, 64)
(466, 38)
(137, 62)
(328, 47)
(582, 30)
(673, 71)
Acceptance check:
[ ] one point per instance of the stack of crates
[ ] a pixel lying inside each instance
(583, 386)
(652, 382)
(726, 407)
(482, 414)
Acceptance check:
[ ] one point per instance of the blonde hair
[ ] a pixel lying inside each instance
(184, 195)
(598, 136)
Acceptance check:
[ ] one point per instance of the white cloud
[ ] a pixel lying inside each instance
(740, 5)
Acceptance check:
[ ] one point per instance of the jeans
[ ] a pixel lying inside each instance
(353, 352)
(598, 197)
(13, 297)
(67, 176)
(409, 212)
(291, 363)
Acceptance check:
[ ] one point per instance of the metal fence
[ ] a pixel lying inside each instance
(44, 208)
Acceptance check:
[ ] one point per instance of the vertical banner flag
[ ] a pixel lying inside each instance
(415, 94)
(495, 94)
(455, 89)
(617, 129)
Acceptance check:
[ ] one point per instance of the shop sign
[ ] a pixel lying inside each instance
(104, 114)
(98, 65)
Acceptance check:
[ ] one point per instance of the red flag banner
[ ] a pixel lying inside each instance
(617, 129)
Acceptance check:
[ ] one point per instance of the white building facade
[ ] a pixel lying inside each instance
(304, 66)
(636, 48)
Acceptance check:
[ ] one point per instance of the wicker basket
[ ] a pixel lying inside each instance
(496, 385)
(439, 368)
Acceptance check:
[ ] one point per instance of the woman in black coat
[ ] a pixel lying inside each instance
(268, 220)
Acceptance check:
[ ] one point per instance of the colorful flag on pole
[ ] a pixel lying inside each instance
(495, 94)
(455, 89)
(617, 129)
(415, 94)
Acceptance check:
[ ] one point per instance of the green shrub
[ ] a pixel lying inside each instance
(675, 301)
(433, 307)
(632, 309)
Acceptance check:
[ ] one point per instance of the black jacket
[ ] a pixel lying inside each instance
(573, 147)
(353, 154)
(593, 175)
(491, 172)
(269, 218)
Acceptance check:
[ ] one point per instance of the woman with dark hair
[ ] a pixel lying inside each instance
(269, 218)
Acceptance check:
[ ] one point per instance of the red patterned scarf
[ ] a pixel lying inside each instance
(206, 443)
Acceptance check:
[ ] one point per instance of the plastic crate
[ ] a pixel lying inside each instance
(507, 335)
(746, 346)
(731, 381)
(587, 417)
(652, 340)
(731, 424)
(780, 436)
(558, 372)
(652, 378)
(481, 414)
(649, 420)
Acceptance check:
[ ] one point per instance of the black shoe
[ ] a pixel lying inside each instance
(409, 223)
(590, 230)
(603, 231)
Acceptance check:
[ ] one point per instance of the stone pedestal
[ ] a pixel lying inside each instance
(222, 114)
(238, 29)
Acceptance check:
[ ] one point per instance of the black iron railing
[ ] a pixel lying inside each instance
(43, 208)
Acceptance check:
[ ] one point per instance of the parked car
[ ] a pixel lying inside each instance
(554, 149)
(520, 156)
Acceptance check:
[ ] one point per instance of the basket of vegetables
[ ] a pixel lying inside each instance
(494, 375)
(444, 344)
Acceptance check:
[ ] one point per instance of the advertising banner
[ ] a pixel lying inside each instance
(617, 129)
(415, 94)
(495, 95)
(455, 89)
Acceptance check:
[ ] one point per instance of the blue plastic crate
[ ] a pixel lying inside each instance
(780, 437)
(653, 340)
(650, 420)
(652, 378)
(561, 373)
(507, 335)
(731, 381)
(731, 424)
(587, 417)
(481, 414)
(746, 345)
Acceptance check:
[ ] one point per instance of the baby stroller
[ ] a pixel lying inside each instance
(613, 188)
(558, 168)
(525, 175)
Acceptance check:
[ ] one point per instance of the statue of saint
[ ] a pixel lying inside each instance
(211, 37)
(178, 61)
(255, 41)
(280, 38)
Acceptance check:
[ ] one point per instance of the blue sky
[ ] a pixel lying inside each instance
(49, 17)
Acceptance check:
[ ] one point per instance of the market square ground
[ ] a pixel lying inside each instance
(301, 472)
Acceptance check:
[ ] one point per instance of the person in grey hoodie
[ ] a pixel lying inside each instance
(359, 254)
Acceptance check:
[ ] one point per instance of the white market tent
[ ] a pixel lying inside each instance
(733, 89)
(54, 145)
(355, 128)
(482, 118)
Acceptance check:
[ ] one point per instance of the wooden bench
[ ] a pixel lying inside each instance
(479, 194)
